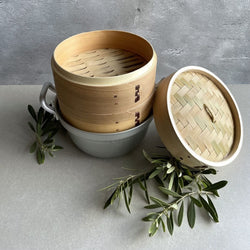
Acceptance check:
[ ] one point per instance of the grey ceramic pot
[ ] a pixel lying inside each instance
(103, 145)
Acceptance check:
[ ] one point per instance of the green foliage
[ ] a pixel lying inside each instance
(44, 128)
(191, 214)
(178, 183)
(180, 214)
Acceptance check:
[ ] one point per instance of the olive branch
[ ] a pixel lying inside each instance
(178, 183)
(44, 129)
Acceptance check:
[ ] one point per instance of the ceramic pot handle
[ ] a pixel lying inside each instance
(47, 86)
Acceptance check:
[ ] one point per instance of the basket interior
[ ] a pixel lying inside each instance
(104, 62)
(202, 115)
(103, 53)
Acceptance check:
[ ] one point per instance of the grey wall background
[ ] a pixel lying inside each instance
(214, 34)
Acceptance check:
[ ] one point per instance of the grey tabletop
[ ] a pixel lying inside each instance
(58, 206)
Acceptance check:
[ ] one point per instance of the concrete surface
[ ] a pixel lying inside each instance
(57, 206)
(214, 34)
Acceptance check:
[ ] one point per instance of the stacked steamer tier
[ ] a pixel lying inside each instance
(104, 80)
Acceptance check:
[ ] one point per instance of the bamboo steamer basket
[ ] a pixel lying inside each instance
(197, 118)
(112, 121)
(104, 80)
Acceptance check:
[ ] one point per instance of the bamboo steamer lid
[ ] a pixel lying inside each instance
(197, 118)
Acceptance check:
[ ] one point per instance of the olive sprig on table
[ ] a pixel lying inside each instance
(179, 186)
(44, 128)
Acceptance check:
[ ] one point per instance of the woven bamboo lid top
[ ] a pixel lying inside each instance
(202, 115)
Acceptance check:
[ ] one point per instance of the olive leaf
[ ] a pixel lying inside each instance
(155, 173)
(216, 186)
(130, 193)
(153, 228)
(32, 112)
(169, 192)
(191, 214)
(126, 200)
(171, 181)
(196, 202)
(159, 202)
(152, 206)
(212, 206)
(209, 209)
(108, 202)
(150, 217)
(146, 190)
(163, 225)
(170, 223)
(180, 214)
(209, 171)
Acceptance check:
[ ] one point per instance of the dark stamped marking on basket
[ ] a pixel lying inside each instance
(137, 93)
(137, 118)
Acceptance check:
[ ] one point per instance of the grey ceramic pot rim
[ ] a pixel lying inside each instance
(100, 136)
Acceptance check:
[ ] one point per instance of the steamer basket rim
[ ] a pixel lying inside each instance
(112, 80)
